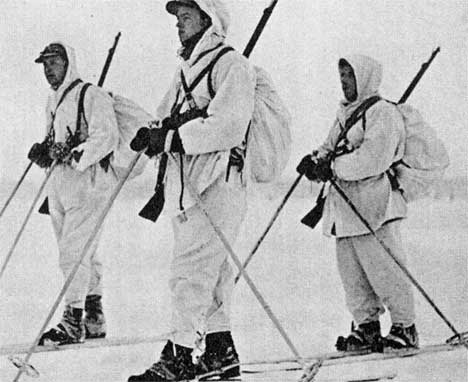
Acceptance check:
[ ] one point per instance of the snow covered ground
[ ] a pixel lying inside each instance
(294, 269)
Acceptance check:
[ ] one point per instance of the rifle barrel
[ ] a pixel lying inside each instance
(108, 60)
(418, 76)
(259, 29)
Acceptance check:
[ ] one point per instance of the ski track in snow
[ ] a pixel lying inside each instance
(294, 269)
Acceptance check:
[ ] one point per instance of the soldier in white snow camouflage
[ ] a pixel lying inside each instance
(370, 277)
(78, 188)
(201, 130)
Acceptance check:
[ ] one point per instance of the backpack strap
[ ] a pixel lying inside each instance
(188, 89)
(81, 113)
(356, 116)
(221, 53)
(51, 133)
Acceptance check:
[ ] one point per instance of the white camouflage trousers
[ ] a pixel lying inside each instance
(76, 199)
(372, 279)
(202, 278)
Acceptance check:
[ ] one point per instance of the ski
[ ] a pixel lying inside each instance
(88, 344)
(348, 357)
(214, 374)
(335, 358)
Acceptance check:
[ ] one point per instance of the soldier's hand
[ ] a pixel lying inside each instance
(35, 152)
(141, 139)
(151, 139)
(307, 167)
(39, 154)
(323, 169)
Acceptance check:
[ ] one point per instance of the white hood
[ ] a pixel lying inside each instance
(72, 72)
(368, 74)
(216, 33)
(219, 14)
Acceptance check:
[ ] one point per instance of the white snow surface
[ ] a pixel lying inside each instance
(294, 269)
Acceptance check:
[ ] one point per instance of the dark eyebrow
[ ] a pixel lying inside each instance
(184, 14)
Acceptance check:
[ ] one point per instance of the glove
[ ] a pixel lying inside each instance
(315, 169)
(141, 139)
(307, 167)
(155, 141)
(39, 154)
(60, 152)
(323, 169)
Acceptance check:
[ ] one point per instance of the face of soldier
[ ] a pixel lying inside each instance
(348, 82)
(55, 69)
(189, 22)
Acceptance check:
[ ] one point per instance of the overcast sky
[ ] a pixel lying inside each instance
(300, 48)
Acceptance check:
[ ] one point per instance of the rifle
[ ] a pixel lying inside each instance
(313, 217)
(110, 55)
(44, 208)
(259, 29)
(153, 208)
(418, 76)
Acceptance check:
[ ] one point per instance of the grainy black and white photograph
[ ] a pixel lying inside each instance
(233, 190)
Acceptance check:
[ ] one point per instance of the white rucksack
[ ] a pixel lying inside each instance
(425, 157)
(130, 117)
(269, 136)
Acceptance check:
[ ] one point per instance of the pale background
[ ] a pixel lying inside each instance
(300, 47)
(295, 267)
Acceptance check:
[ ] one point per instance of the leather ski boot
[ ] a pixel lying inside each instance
(94, 321)
(70, 330)
(366, 336)
(175, 364)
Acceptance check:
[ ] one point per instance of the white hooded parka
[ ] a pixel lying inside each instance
(207, 141)
(376, 144)
(78, 192)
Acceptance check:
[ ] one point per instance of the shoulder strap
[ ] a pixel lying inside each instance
(81, 112)
(357, 115)
(210, 73)
(51, 133)
(361, 111)
(68, 90)
(207, 70)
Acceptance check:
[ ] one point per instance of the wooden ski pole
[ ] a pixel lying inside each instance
(403, 99)
(100, 83)
(89, 242)
(194, 194)
(395, 259)
(49, 172)
(270, 224)
(15, 189)
(27, 217)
